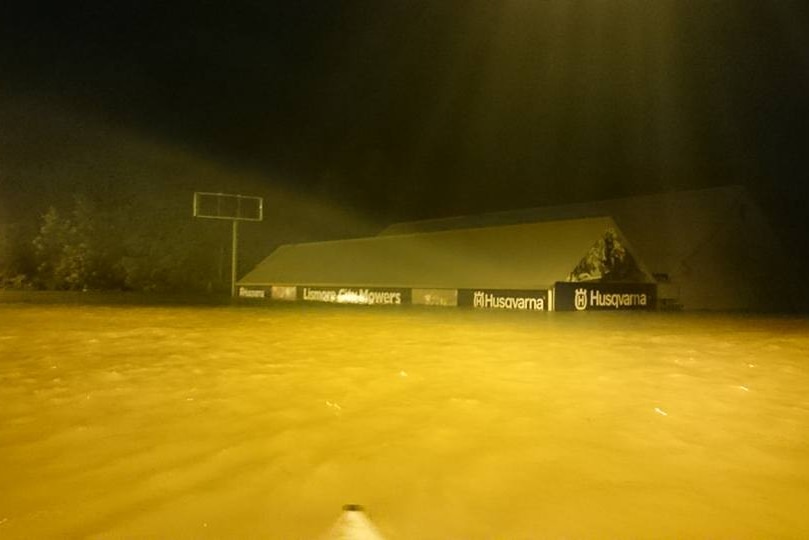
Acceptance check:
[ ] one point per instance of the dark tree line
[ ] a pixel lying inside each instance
(129, 246)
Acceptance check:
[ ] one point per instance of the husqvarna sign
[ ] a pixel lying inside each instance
(580, 299)
(506, 299)
(573, 296)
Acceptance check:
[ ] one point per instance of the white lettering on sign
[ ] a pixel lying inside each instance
(580, 299)
(353, 296)
(482, 299)
(251, 293)
(616, 300)
(318, 295)
(366, 296)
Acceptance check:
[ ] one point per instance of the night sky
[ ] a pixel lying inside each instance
(411, 109)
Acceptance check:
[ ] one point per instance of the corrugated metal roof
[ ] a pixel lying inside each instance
(524, 256)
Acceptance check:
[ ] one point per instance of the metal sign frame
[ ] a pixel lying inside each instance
(198, 210)
(235, 218)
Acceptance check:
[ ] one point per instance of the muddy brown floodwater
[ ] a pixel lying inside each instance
(241, 422)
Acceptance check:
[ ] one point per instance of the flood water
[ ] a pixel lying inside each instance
(182, 422)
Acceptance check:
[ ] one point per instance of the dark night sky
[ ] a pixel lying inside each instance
(429, 108)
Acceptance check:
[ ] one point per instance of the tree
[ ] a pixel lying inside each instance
(49, 249)
(132, 246)
(64, 248)
(16, 264)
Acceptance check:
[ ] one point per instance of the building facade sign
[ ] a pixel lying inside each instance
(507, 299)
(253, 293)
(605, 296)
(565, 296)
(354, 295)
(284, 292)
(435, 297)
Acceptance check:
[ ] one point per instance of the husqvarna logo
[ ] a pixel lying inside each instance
(528, 300)
(580, 299)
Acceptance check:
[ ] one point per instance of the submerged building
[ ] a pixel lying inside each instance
(708, 249)
(531, 266)
(705, 249)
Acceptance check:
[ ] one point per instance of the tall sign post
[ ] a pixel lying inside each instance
(235, 208)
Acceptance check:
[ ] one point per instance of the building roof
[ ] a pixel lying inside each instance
(519, 256)
(665, 229)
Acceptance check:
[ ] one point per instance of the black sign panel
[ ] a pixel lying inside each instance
(369, 296)
(583, 296)
(508, 299)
